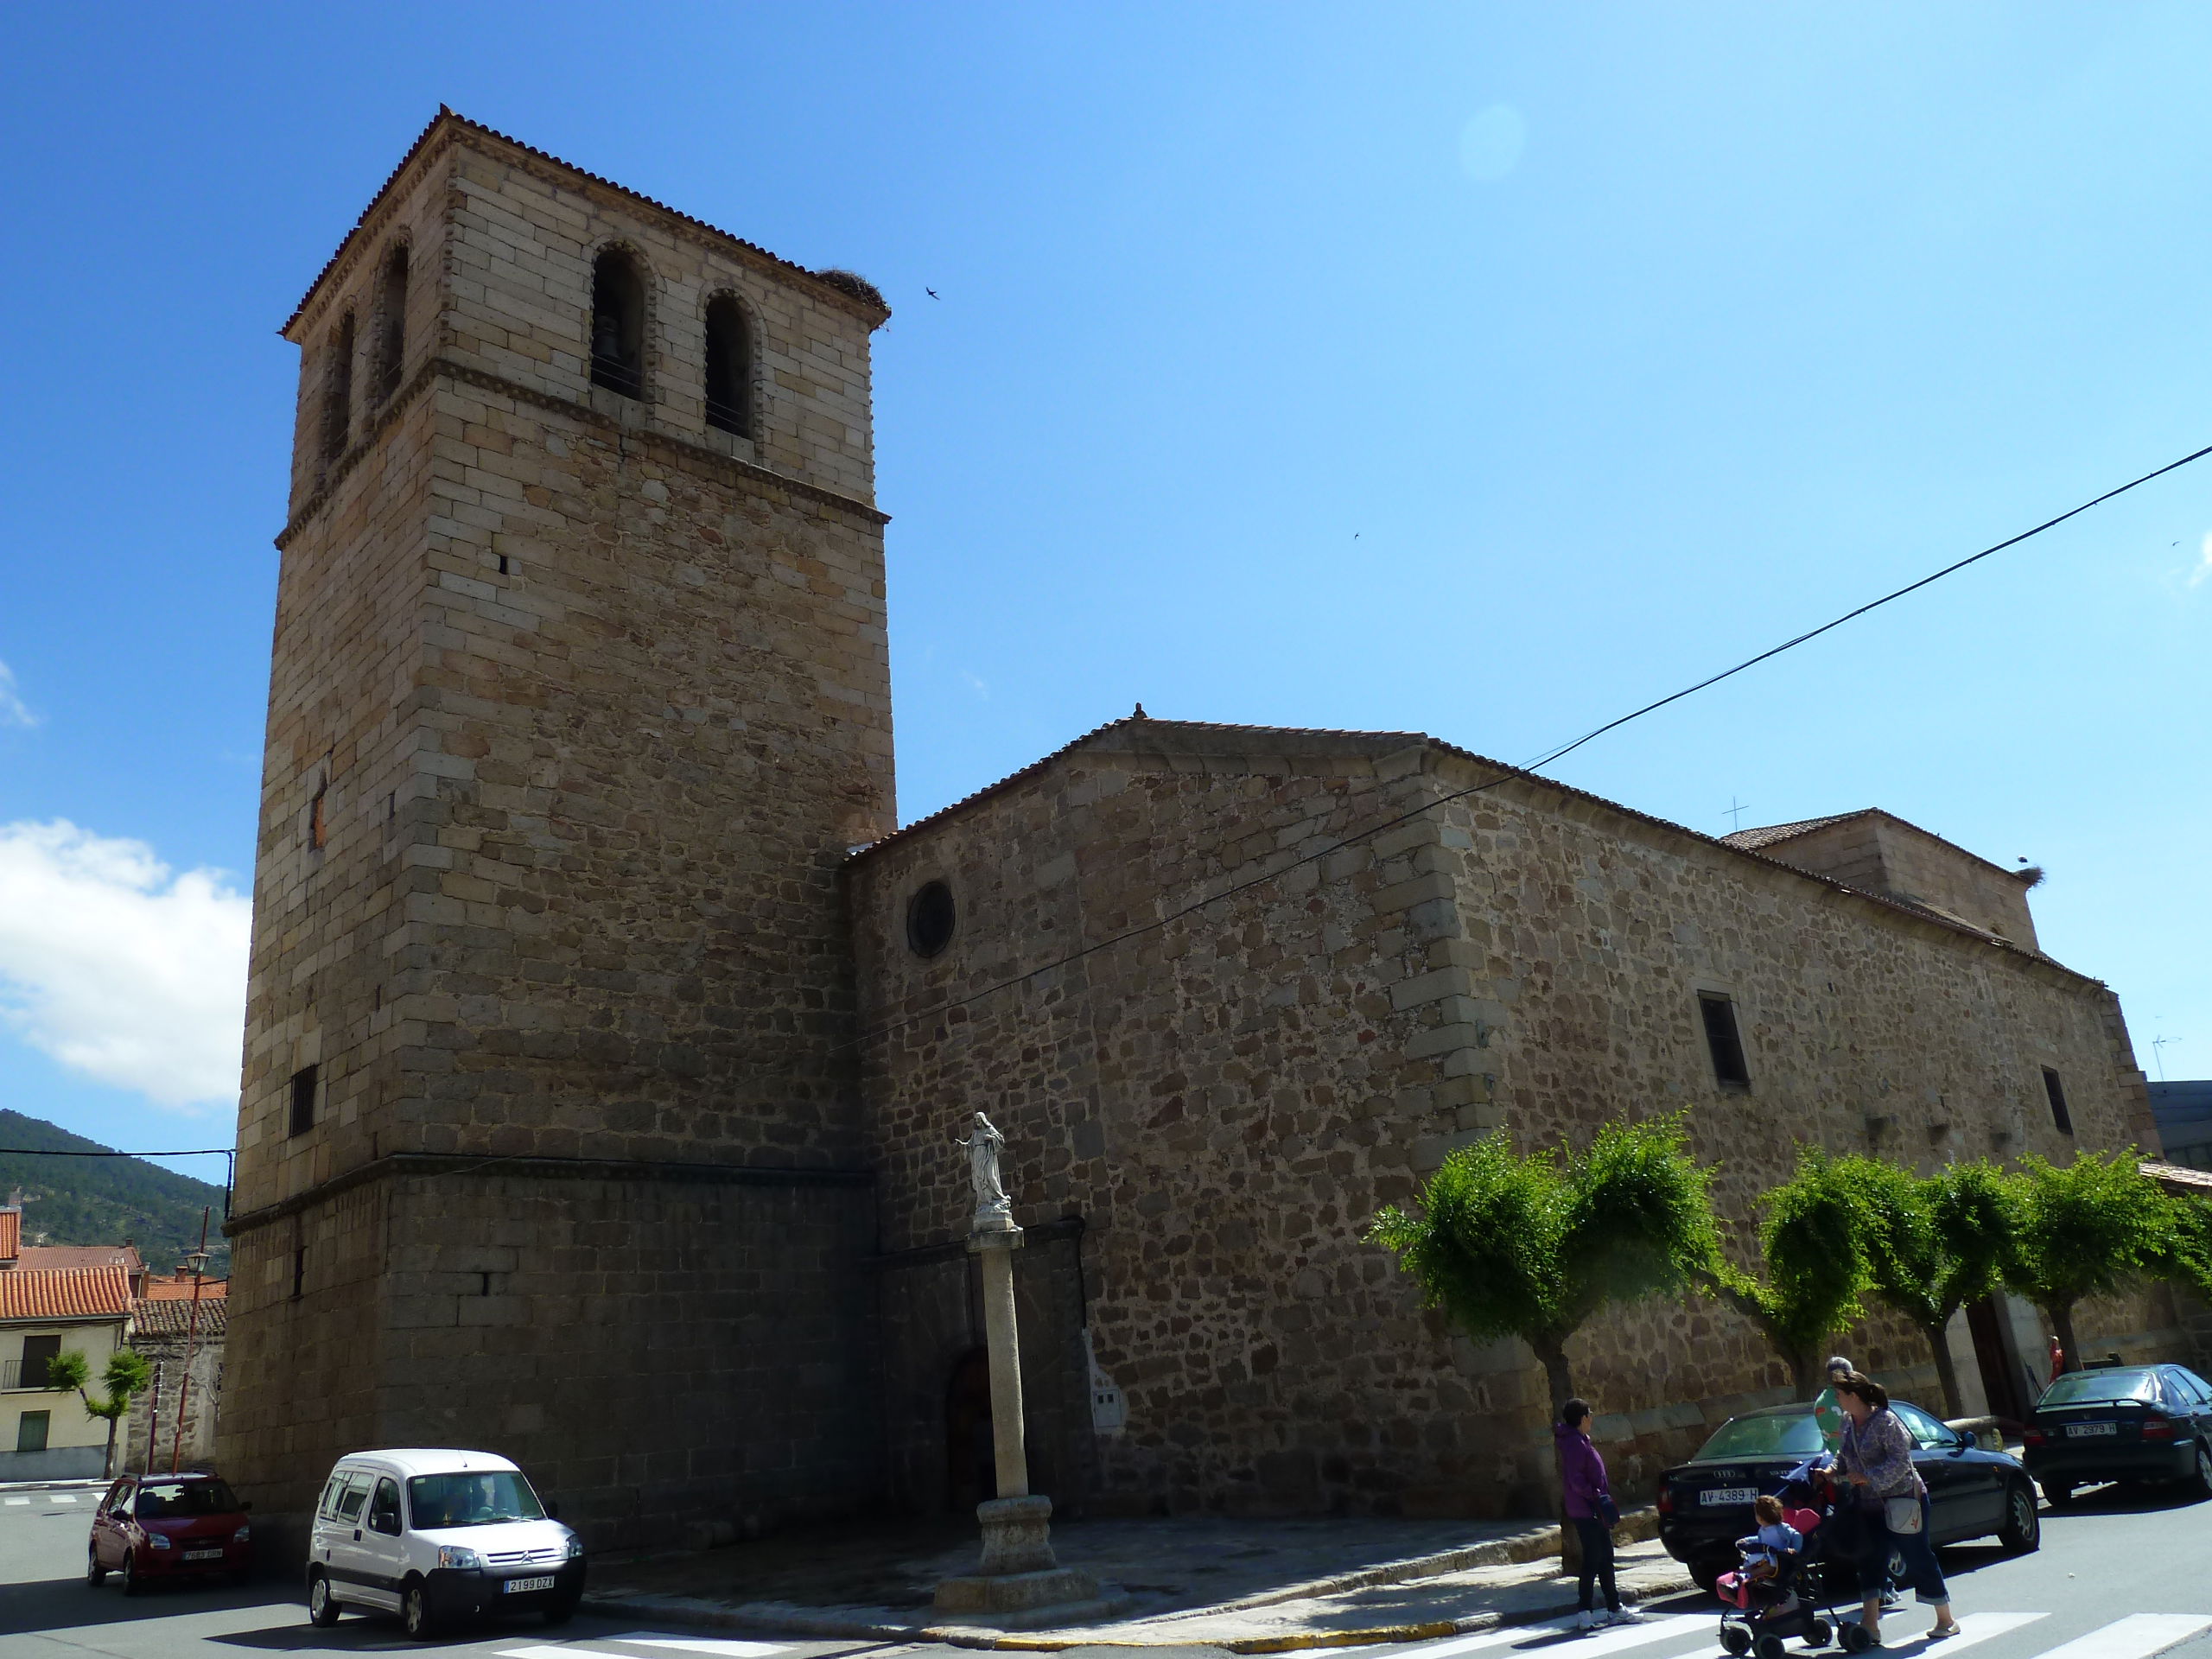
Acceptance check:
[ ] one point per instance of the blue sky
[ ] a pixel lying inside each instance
(1482, 371)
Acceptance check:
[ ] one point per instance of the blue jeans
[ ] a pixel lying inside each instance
(1921, 1571)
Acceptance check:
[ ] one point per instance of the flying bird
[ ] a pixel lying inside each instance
(932, 293)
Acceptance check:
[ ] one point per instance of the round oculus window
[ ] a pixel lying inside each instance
(929, 919)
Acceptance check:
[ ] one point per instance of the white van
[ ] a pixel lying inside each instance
(435, 1534)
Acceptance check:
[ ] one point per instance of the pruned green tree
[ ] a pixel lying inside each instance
(125, 1375)
(1534, 1246)
(2086, 1229)
(1812, 1268)
(1932, 1245)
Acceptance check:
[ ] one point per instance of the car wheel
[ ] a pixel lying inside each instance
(560, 1612)
(2022, 1529)
(2057, 1493)
(2200, 1476)
(415, 1614)
(323, 1607)
(1707, 1579)
(94, 1573)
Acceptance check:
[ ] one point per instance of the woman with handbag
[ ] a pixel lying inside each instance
(1591, 1508)
(1876, 1457)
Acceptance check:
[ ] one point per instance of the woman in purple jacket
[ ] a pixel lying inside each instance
(1590, 1507)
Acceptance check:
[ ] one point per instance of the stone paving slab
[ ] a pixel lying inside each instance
(1234, 1587)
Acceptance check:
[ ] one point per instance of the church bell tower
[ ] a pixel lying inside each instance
(549, 1137)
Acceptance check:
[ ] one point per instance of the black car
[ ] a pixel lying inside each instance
(1705, 1505)
(2123, 1422)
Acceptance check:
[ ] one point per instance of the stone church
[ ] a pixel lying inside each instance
(608, 1036)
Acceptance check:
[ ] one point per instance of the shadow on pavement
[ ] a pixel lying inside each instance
(71, 1604)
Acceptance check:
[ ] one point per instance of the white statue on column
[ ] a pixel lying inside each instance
(994, 1210)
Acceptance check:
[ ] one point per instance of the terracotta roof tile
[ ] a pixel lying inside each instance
(446, 116)
(12, 1234)
(64, 1293)
(58, 1257)
(165, 1318)
(1749, 841)
(177, 1287)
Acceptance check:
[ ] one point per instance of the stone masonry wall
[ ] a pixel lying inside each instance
(1228, 1100)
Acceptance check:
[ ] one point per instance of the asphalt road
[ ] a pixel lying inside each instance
(2123, 1575)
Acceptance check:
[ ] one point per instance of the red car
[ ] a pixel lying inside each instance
(154, 1527)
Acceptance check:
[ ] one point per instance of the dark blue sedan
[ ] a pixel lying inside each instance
(1705, 1505)
(2122, 1422)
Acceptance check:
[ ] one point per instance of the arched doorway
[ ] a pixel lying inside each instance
(970, 1472)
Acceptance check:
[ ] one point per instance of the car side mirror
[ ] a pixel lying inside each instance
(1968, 1440)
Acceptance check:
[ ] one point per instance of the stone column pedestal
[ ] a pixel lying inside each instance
(1018, 1572)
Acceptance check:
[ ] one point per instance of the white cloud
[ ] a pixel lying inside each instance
(13, 710)
(2203, 571)
(119, 968)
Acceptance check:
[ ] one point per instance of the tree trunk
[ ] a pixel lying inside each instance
(1947, 1368)
(1806, 1377)
(1559, 1377)
(107, 1468)
(2062, 1320)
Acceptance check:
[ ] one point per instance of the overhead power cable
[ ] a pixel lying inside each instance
(1526, 771)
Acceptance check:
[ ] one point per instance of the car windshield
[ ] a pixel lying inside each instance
(471, 1500)
(2100, 1387)
(165, 1500)
(1783, 1435)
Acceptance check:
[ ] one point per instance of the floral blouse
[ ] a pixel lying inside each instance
(1880, 1449)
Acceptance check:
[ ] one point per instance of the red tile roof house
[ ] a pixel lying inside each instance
(61, 1300)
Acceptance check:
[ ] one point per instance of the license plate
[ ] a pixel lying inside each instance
(2089, 1430)
(203, 1554)
(515, 1586)
(1720, 1495)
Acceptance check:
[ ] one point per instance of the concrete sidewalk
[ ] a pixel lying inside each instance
(1244, 1586)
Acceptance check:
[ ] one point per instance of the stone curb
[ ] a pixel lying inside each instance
(784, 1618)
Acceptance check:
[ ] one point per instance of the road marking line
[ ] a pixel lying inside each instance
(544, 1650)
(1570, 1642)
(18, 1500)
(2137, 1636)
(1973, 1627)
(1490, 1638)
(726, 1649)
(60, 1498)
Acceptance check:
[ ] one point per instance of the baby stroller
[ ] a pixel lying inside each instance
(1769, 1612)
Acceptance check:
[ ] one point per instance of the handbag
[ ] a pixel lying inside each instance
(1608, 1511)
(1901, 1514)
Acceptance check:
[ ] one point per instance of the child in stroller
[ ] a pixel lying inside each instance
(1776, 1594)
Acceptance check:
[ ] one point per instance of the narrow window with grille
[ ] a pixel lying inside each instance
(303, 1087)
(1722, 1038)
(2055, 1091)
(729, 367)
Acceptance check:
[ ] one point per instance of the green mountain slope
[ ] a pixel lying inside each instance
(106, 1200)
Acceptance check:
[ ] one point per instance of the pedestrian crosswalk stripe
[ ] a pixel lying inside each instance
(1973, 1627)
(2137, 1636)
(1569, 1640)
(543, 1650)
(723, 1647)
(1490, 1638)
(61, 1497)
(19, 1500)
